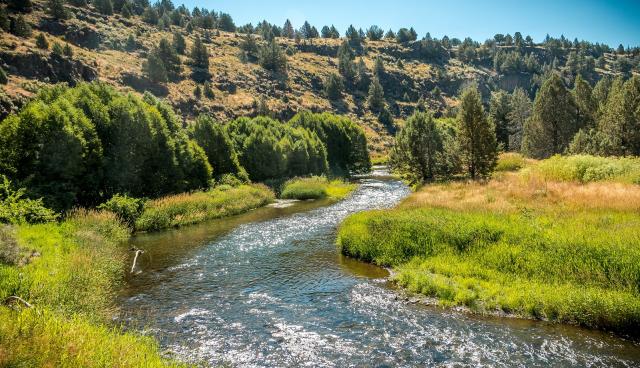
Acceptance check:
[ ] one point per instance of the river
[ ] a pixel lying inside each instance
(268, 289)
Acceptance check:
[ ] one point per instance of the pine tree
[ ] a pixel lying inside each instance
(586, 106)
(418, 148)
(131, 43)
(362, 76)
(5, 22)
(287, 30)
(199, 54)
(499, 109)
(150, 15)
(22, 6)
(208, 90)
(553, 122)
(333, 86)
(179, 43)
(619, 124)
(154, 68)
(375, 99)
(57, 10)
(197, 92)
(169, 57)
(378, 68)
(476, 136)
(126, 11)
(519, 113)
(346, 66)
(41, 41)
(273, 58)
(67, 50)
(57, 49)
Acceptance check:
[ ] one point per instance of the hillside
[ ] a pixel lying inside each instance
(414, 75)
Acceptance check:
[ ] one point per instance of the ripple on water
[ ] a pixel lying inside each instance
(274, 293)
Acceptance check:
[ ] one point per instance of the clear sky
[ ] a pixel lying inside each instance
(612, 22)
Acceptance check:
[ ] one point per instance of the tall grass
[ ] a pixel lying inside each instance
(316, 188)
(69, 273)
(190, 208)
(510, 161)
(585, 169)
(523, 244)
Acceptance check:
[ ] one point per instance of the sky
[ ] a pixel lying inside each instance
(612, 22)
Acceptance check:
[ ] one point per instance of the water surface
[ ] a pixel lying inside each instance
(268, 289)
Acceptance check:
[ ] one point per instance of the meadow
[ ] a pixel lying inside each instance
(316, 187)
(558, 240)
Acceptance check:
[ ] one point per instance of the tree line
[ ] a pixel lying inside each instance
(600, 120)
(79, 146)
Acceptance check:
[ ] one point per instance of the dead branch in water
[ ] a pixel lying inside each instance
(135, 258)
(17, 299)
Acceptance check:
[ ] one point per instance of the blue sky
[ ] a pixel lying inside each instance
(612, 22)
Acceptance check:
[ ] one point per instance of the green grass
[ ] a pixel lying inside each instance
(316, 188)
(557, 250)
(510, 161)
(190, 208)
(583, 268)
(70, 275)
(585, 168)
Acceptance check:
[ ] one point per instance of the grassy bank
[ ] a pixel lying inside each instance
(68, 272)
(316, 188)
(522, 243)
(190, 208)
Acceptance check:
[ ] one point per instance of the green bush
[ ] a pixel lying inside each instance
(128, 209)
(15, 209)
(510, 162)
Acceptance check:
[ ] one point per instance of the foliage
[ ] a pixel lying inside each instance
(3, 76)
(316, 187)
(128, 209)
(41, 41)
(272, 57)
(185, 209)
(269, 149)
(585, 169)
(333, 86)
(345, 141)
(199, 60)
(20, 27)
(510, 161)
(214, 140)
(15, 209)
(56, 9)
(473, 245)
(81, 145)
(476, 135)
(375, 98)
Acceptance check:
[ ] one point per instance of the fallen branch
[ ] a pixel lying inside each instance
(135, 258)
(17, 299)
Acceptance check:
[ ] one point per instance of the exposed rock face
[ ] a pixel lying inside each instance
(83, 37)
(52, 68)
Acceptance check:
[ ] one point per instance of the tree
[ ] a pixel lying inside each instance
(378, 68)
(362, 76)
(3, 77)
(179, 43)
(169, 58)
(519, 113)
(585, 105)
(225, 23)
(418, 148)
(406, 35)
(131, 43)
(553, 121)
(5, 22)
(56, 49)
(287, 30)
(67, 50)
(375, 99)
(390, 35)
(199, 61)
(22, 6)
(375, 33)
(273, 58)
(104, 6)
(41, 41)
(333, 86)
(57, 10)
(20, 27)
(353, 36)
(620, 123)
(499, 109)
(208, 90)
(214, 140)
(197, 92)
(154, 68)
(150, 15)
(346, 67)
(477, 137)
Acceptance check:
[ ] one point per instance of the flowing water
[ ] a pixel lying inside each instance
(268, 289)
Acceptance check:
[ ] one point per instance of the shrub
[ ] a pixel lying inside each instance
(510, 162)
(585, 168)
(128, 209)
(3, 76)
(15, 209)
(9, 249)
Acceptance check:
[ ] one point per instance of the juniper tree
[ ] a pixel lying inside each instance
(333, 86)
(287, 30)
(41, 41)
(375, 99)
(273, 58)
(378, 67)
(57, 10)
(20, 27)
(476, 135)
(5, 22)
(154, 68)
(104, 6)
(553, 121)
(67, 50)
(23, 6)
(199, 60)
(3, 77)
(418, 148)
(346, 67)
(179, 43)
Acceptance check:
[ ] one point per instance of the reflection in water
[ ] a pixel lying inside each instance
(269, 289)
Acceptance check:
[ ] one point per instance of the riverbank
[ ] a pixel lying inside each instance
(532, 243)
(316, 188)
(68, 272)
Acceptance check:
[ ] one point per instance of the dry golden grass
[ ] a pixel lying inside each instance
(511, 192)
